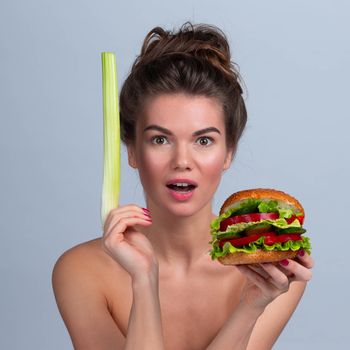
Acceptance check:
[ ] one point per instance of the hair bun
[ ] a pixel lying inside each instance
(201, 41)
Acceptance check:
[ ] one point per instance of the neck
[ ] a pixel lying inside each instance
(180, 240)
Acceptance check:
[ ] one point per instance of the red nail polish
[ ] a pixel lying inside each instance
(146, 211)
(284, 262)
(301, 252)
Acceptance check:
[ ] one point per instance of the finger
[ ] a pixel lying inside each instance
(122, 211)
(258, 269)
(305, 259)
(121, 225)
(111, 214)
(276, 277)
(118, 248)
(255, 278)
(138, 240)
(121, 235)
(128, 207)
(123, 215)
(128, 214)
(289, 274)
(301, 272)
(125, 242)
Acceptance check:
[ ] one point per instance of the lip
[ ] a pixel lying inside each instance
(188, 181)
(180, 196)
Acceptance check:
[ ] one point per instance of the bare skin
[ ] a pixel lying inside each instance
(187, 302)
(149, 282)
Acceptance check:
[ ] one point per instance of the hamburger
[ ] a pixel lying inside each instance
(257, 226)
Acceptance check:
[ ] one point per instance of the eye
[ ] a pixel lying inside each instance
(204, 141)
(159, 140)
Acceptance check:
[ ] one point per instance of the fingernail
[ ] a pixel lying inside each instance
(301, 252)
(284, 262)
(146, 211)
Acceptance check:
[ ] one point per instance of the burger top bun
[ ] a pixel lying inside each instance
(262, 193)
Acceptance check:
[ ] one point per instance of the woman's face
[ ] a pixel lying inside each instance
(180, 140)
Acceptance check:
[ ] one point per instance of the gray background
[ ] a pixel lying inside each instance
(294, 58)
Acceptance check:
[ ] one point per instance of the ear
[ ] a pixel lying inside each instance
(131, 156)
(228, 159)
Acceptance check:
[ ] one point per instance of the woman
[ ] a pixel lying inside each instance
(149, 282)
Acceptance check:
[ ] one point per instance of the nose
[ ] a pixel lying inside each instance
(182, 158)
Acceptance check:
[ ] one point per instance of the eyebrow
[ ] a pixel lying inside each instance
(168, 132)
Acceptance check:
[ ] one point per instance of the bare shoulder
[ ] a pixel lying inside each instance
(81, 283)
(81, 257)
(91, 248)
(87, 269)
(87, 261)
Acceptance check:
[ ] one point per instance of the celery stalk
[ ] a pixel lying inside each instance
(111, 133)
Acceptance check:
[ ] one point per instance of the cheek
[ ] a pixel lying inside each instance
(150, 166)
(212, 167)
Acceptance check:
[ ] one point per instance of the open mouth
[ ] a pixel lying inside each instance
(181, 187)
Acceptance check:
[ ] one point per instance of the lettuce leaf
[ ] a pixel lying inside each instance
(253, 206)
(217, 251)
(250, 205)
(268, 207)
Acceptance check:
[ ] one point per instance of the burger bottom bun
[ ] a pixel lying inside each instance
(260, 256)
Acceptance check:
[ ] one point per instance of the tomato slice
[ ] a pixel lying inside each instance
(270, 239)
(282, 239)
(293, 217)
(241, 241)
(253, 217)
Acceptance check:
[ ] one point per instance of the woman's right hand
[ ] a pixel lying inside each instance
(125, 244)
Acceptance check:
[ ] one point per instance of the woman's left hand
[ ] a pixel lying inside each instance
(267, 281)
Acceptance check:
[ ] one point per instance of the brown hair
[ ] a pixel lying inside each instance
(195, 60)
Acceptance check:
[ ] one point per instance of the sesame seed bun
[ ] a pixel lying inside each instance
(262, 193)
